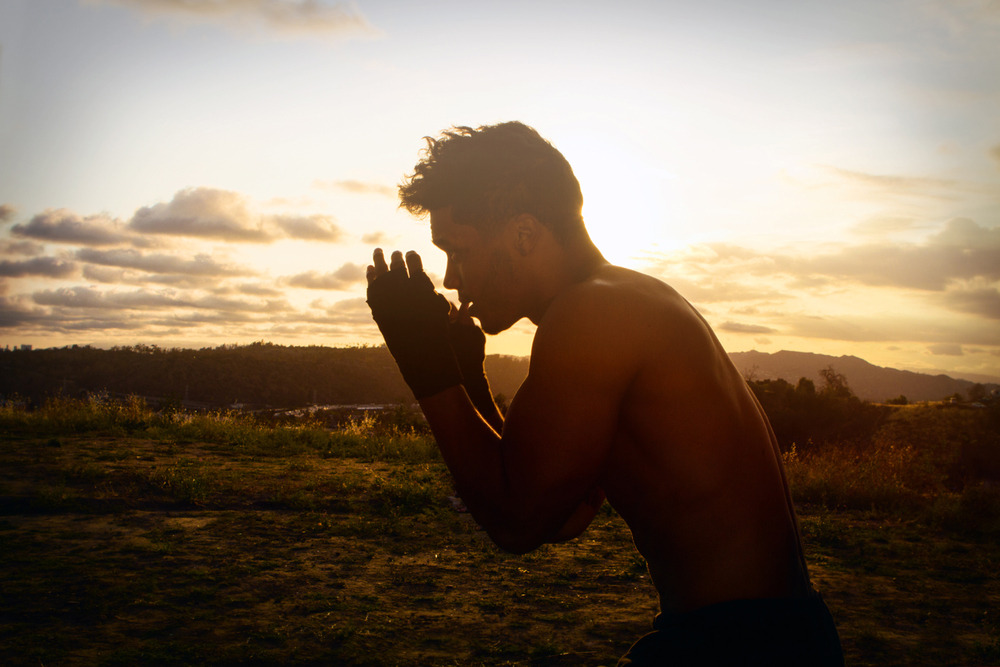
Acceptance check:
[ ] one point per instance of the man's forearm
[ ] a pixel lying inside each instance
(473, 452)
(470, 447)
(482, 399)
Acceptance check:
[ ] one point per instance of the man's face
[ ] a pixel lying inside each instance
(480, 268)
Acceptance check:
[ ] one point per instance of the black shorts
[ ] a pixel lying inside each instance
(772, 632)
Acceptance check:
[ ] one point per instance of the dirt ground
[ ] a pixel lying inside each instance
(124, 552)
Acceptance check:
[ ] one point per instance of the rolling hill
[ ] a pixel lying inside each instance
(274, 375)
(867, 381)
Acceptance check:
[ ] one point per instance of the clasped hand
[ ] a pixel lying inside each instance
(435, 345)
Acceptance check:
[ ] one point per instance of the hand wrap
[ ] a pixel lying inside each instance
(469, 343)
(413, 319)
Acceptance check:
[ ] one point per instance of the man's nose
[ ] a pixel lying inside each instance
(452, 279)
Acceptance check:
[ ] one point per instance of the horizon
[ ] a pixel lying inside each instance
(973, 377)
(811, 177)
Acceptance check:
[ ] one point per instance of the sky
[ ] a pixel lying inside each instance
(812, 176)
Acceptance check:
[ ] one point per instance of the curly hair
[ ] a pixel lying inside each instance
(492, 173)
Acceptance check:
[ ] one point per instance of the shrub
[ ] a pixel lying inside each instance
(975, 511)
(803, 416)
(371, 437)
(960, 445)
(844, 478)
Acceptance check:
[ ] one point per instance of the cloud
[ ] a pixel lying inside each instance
(955, 269)
(37, 266)
(7, 213)
(63, 226)
(358, 187)
(937, 188)
(950, 349)
(85, 297)
(708, 286)
(963, 250)
(375, 238)
(995, 154)
(879, 226)
(103, 274)
(928, 328)
(14, 314)
(354, 312)
(198, 318)
(983, 301)
(257, 290)
(737, 327)
(209, 213)
(203, 213)
(278, 16)
(114, 275)
(20, 247)
(233, 305)
(310, 228)
(142, 299)
(201, 265)
(347, 275)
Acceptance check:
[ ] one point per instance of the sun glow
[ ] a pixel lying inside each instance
(630, 207)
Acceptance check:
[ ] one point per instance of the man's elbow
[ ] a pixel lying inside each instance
(514, 541)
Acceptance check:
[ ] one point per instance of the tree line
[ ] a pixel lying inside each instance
(265, 375)
(256, 375)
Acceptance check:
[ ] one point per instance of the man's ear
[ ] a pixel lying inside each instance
(527, 231)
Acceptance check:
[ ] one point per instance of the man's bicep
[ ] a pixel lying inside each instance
(563, 421)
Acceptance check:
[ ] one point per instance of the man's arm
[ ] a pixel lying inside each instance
(528, 486)
(469, 343)
(582, 517)
(525, 485)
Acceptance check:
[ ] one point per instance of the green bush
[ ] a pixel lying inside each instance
(975, 511)
(392, 437)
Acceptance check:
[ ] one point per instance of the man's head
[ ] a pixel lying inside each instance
(493, 173)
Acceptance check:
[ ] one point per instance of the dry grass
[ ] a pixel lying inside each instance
(131, 537)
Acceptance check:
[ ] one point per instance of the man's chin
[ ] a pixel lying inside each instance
(485, 325)
(493, 327)
(492, 322)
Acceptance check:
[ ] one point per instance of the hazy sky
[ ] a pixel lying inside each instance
(814, 176)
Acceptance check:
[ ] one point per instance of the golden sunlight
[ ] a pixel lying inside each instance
(630, 207)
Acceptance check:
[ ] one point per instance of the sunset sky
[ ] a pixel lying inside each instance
(812, 176)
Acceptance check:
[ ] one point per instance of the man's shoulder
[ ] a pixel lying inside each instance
(615, 294)
(639, 316)
(590, 332)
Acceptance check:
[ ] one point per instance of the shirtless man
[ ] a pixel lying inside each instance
(629, 396)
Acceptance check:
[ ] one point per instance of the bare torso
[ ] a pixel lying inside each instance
(694, 468)
(629, 392)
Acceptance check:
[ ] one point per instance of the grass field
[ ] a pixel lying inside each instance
(131, 537)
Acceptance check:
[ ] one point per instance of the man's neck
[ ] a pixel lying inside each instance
(567, 267)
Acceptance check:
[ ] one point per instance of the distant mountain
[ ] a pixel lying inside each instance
(867, 381)
(264, 374)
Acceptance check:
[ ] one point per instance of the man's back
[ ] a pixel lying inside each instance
(694, 469)
(628, 395)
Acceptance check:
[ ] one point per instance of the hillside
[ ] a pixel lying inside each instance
(256, 375)
(869, 382)
(263, 374)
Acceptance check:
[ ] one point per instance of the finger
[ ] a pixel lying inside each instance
(371, 274)
(414, 263)
(378, 259)
(462, 316)
(396, 262)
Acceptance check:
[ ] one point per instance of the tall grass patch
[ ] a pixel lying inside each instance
(368, 437)
(919, 461)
